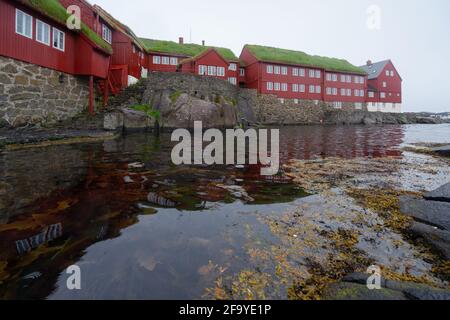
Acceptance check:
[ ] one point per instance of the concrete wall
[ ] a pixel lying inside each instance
(30, 94)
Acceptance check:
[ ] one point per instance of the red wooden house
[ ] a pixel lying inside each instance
(295, 75)
(384, 91)
(169, 56)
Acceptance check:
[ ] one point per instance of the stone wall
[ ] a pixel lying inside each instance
(31, 94)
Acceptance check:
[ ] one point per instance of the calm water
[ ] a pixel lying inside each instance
(153, 231)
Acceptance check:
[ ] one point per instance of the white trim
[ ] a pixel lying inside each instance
(49, 32)
(57, 32)
(24, 24)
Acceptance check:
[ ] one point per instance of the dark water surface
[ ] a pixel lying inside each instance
(142, 228)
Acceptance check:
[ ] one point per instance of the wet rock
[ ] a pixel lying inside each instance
(360, 278)
(440, 239)
(418, 291)
(113, 121)
(442, 151)
(430, 212)
(440, 194)
(136, 120)
(354, 291)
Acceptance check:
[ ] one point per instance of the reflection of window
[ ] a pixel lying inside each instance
(42, 32)
(24, 24)
(106, 34)
(58, 39)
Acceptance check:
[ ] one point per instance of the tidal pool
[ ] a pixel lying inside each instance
(142, 228)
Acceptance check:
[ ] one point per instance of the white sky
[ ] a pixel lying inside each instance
(414, 34)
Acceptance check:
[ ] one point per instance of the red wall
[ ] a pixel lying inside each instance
(393, 87)
(161, 67)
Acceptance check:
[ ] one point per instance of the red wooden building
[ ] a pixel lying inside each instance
(384, 92)
(169, 56)
(295, 75)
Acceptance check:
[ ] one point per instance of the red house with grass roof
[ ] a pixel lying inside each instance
(295, 75)
(169, 56)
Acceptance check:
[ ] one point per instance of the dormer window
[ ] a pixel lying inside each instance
(106, 34)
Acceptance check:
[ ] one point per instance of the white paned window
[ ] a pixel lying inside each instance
(42, 32)
(335, 91)
(269, 69)
(173, 61)
(232, 80)
(349, 92)
(270, 86)
(302, 72)
(277, 70)
(242, 72)
(312, 89)
(58, 39)
(318, 89)
(343, 92)
(371, 94)
(361, 93)
(318, 74)
(277, 86)
(212, 70)
(295, 72)
(387, 73)
(349, 79)
(356, 79)
(284, 87)
(392, 73)
(106, 33)
(329, 76)
(329, 91)
(166, 60)
(312, 74)
(221, 71)
(232, 67)
(356, 93)
(302, 88)
(24, 24)
(202, 70)
(295, 87)
(156, 60)
(383, 95)
(284, 71)
(343, 78)
(335, 77)
(384, 84)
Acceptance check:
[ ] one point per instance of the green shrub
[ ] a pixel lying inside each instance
(155, 114)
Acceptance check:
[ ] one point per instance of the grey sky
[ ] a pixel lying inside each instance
(414, 34)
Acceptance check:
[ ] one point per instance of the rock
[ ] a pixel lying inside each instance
(440, 194)
(136, 120)
(418, 291)
(113, 121)
(430, 212)
(360, 278)
(439, 239)
(442, 151)
(369, 121)
(353, 291)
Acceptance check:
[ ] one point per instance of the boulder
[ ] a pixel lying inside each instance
(136, 120)
(430, 212)
(360, 278)
(439, 239)
(442, 151)
(354, 291)
(440, 194)
(418, 291)
(113, 121)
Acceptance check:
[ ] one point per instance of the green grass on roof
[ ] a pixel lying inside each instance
(297, 57)
(188, 49)
(55, 10)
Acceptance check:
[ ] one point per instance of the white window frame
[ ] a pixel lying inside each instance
(335, 91)
(165, 60)
(269, 86)
(392, 73)
(335, 77)
(295, 87)
(232, 80)
(371, 94)
(284, 71)
(269, 69)
(361, 93)
(349, 79)
(343, 78)
(24, 24)
(106, 33)
(329, 91)
(277, 86)
(356, 93)
(242, 72)
(349, 92)
(277, 70)
(383, 95)
(232, 67)
(220, 71)
(295, 72)
(302, 88)
(202, 70)
(318, 89)
(387, 73)
(302, 72)
(57, 33)
(284, 87)
(44, 25)
(173, 61)
(312, 73)
(312, 88)
(318, 74)
(156, 59)
(343, 92)
(384, 84)
(329, 76)
(212, 70)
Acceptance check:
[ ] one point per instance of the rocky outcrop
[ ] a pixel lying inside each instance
(440, 194)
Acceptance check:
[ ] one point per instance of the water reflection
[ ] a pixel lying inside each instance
(137, 225)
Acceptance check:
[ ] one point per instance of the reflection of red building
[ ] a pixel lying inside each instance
(384, 91)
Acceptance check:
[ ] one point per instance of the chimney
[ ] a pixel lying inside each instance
(203, 42)
(181, 40)
(369, 63)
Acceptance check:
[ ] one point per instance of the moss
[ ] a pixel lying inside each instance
(155, 114)
(297, 57)
(55, 10)
(174, 96)
(188, 50)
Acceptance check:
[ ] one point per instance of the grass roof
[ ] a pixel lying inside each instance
(188, 49)
(276, 55)
(55, 10)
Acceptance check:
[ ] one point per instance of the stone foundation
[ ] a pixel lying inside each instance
(30, 94)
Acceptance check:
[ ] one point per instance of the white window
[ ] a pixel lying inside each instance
(349, 92)
(296, 101)
(392, 73)
(284, 71)
(277, 70)
(384, 84)
(270, 69)
(156, 60)
(335, 77)
(24, 24)
(212, 70)
(387, 73)
(361, 80)
(329, 76)
(173, 61)
(302, 88)
(221, 71)
(318, 89)
(343, 92)
(356, 93)
(349, 79)
(242, 72)
(295, 87)
(337, 105)
(106, 34)
(202, 70)
(371, 94)
(356, 79)
(329, 91)
(232, 80)
(134, 49)
(358, 106)
(166, 60)
(302, 72)
(312, 89)
(335, 91)
(361, 93)
(312, 74)
(284, 87)
(232, 67)
(295, 72)
(343, 78)
(277, 86)
(42, 32)
(383, 95)
(269, 86)
(58, 39)
(318, 74)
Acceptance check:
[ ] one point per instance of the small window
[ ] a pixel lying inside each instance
(318, 74)
(371, 94)
(335, 77)
(384, 84)
(361, 80)
(356, 79)
(242, 72)
(284, 71)
(295, 87)
(173, 61)
(328, 76)
(343, 77)
(295, 72)
(277, 86)
(392, 73)
(156, 60)
(312, 89)
(312, 74)
(284, 87)
(387, 73)
(58, 39)
(361, 93)
(232, 80)
(106, 33)
(356, 93)
(343, 92)
(202, 70)
(349, 92)
(328, 91)
(277, 70)
(335, 91)
(212, 70)
(302, 72)
(221, 71)
(24, 24)
(269, 86)
(232, 67)
(302, 88)
(269, 69)
(166, 60)
(318, 89)
(349, 79)
(42, 32)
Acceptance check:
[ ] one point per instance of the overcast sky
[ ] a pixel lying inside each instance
(414, 34)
